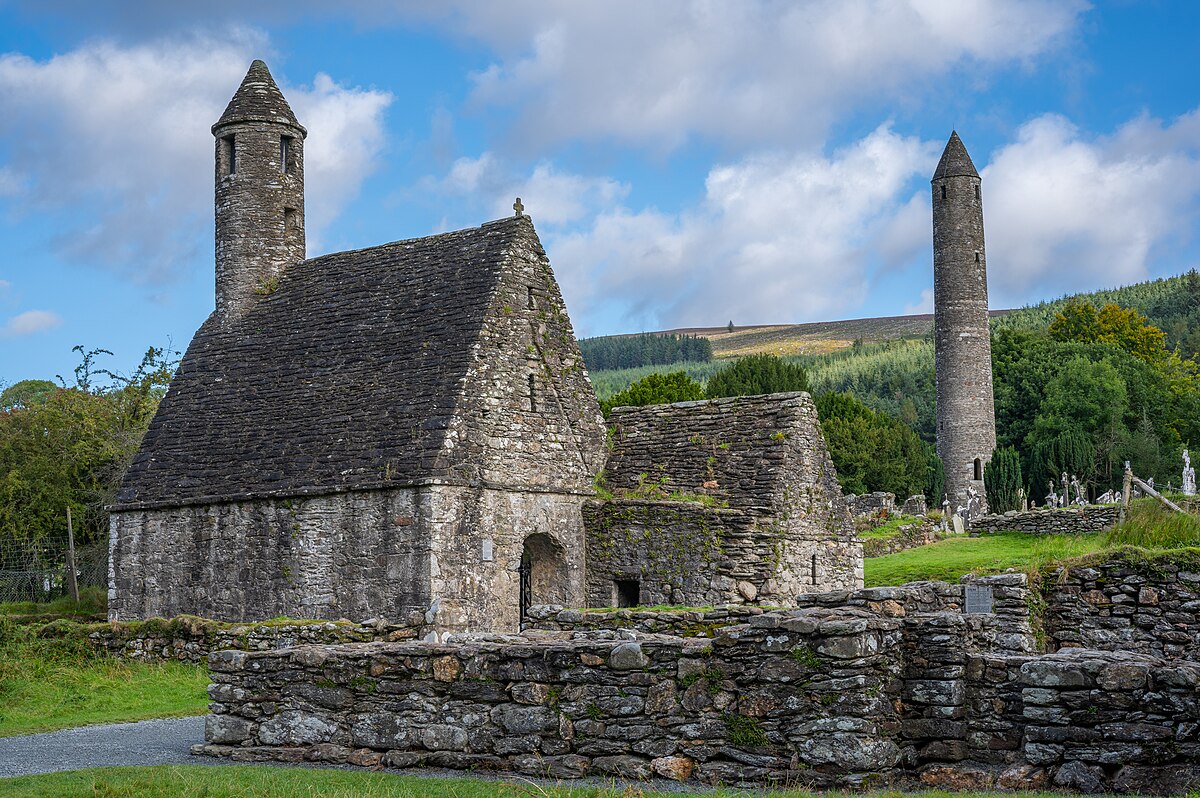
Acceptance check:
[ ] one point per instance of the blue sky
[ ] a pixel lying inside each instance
(686, 163)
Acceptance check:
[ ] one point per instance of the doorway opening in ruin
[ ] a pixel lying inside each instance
(978, 469)
(543, 573)
(627, 592)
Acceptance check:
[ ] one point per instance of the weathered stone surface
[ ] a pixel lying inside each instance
(780, 523)
(966, 420)
(627, 657)
(677, 768)
(936, 696)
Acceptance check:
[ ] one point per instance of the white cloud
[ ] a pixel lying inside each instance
(345, 137)
(117, 140)
(30, 322)
(760, 72)
(1067, 212)
(777, 238)
(923, 305)
(549, 195)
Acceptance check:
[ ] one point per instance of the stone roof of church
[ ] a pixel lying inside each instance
(955, 161)
(742, 448)
(357, 359)
(258, 99)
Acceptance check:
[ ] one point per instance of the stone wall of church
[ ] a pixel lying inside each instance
(477, 538)
(355, 555)
(686, 553)
(448, 551)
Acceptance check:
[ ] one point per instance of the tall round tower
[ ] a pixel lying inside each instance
(260, 192)
(966, 416)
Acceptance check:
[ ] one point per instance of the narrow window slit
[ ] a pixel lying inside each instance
(285, 154)
(532, 393)
(228, 156)
(943, 190)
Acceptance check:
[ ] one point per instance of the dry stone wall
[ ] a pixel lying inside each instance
(802, 696)
(1064, 521)
(1131, 604)
(928, 684)
(190, 639)
(1113, 721)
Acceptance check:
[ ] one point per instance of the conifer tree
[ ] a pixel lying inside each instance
(1002, 480)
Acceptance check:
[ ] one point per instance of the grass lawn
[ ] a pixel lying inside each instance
(949, 559)
(48, 684)
(201, 781)
(1149, 527)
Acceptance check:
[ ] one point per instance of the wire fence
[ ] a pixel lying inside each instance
(37, 570)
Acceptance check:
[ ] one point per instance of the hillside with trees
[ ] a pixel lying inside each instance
(1082, 383)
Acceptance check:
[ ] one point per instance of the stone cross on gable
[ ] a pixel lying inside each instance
(518, 207)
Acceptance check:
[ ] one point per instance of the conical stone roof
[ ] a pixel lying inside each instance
(258, 99)
(955, 160)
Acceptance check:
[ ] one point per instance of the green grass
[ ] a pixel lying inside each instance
(59, 683)
(93, 601)
(889, 530)
(245, 781)
(1148, 531)
(1149, 525)
(947, 560)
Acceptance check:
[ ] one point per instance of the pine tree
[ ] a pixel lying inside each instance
(1002, 480)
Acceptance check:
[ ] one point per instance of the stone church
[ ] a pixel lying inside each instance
(410, 428)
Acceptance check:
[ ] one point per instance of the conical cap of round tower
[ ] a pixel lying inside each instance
(955, 160)
(258, 99)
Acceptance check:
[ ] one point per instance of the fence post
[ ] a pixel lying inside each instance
(72, 584)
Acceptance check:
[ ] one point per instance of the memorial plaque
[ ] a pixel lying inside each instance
(979, 599)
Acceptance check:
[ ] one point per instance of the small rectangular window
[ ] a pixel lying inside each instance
(532, 393)
(289, 219)
(228, 156)
(814, 569)
(943, 190)
(977, 257)
(976, 191)
(285, 154)
(627, 592)
(532, 305)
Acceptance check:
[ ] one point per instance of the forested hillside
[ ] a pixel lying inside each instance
(1108, 380)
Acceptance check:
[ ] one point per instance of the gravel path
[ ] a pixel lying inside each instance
(148, 742)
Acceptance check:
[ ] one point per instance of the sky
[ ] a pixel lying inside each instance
(684, 163)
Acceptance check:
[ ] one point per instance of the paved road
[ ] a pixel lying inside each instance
(168, 742)
(149, 742)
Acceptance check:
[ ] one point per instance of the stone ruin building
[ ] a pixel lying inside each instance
(773, 523)
(966, 418)
(408, 431)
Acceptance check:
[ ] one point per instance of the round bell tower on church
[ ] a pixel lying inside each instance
(259, 192)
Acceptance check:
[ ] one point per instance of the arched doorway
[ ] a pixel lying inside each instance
(543, 573)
